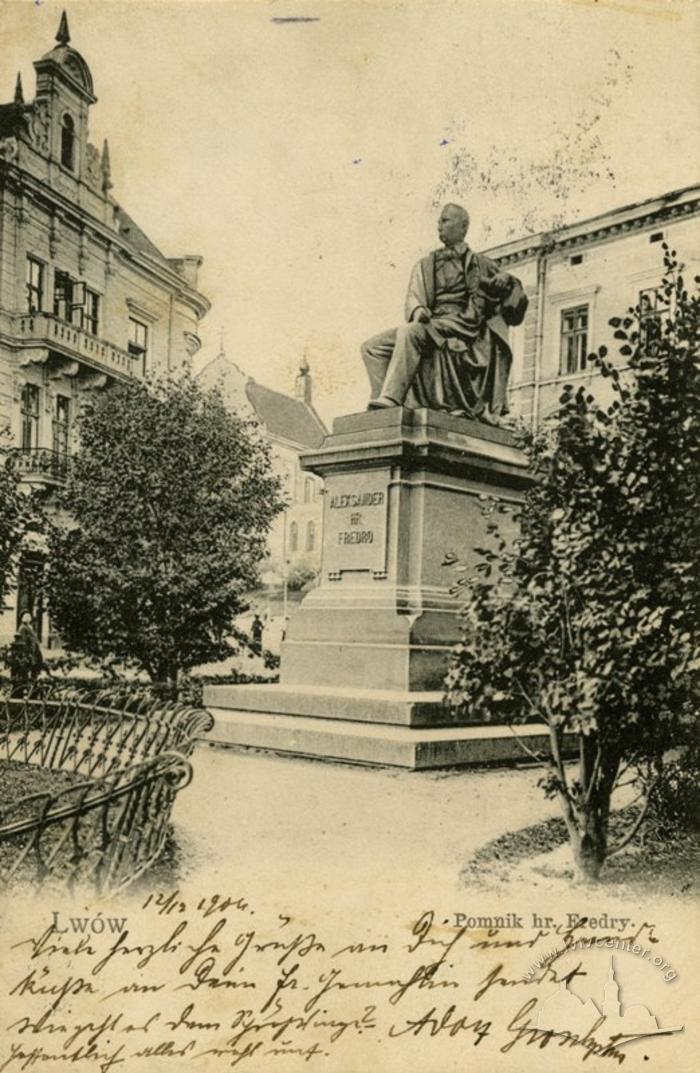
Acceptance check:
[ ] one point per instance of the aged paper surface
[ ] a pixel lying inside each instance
(323, 916)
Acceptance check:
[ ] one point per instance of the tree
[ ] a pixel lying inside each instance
(589, 621)
(170, 499)
(15, 515)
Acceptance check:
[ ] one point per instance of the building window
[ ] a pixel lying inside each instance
(651, 314)
(138, 341)
(62, 295)
(69, 299)
(574, 339)
(35, 285)
(308, 490)
(310, 536)
(91, 320)
(61, 424)
(29, 416)
(293, 537)
(68, 142)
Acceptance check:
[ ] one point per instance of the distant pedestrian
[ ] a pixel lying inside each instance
(26, 659)
(256, 633)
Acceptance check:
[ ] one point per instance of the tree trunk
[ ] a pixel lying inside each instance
(166, 681)
(589, 810)
(590, 848)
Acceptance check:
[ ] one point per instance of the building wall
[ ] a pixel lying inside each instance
(600, 266)
(125, 289)
(304, 514)
(69, 222)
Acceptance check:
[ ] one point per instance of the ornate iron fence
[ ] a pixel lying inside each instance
(124, 759)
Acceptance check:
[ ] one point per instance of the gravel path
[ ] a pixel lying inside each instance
(363, 832)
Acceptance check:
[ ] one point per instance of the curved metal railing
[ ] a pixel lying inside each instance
(125, 760)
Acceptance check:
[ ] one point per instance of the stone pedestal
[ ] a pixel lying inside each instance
(365, 655)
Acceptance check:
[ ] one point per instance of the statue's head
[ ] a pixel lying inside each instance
(453, 224)
(26, 619)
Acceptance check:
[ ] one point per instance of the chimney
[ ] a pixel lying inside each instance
(302, 384)
(187, 267)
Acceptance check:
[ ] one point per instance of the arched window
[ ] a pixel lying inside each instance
(310, 536)
(293, 537)
(68, 142)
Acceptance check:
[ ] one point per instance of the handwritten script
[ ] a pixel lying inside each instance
(216, 984)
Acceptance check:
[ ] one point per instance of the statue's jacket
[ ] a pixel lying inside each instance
(472, 355)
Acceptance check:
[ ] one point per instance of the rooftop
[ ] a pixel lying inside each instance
(685, 200)
(284, 417)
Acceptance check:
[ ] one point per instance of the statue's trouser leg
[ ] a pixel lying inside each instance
(376, 354)
(412, 344)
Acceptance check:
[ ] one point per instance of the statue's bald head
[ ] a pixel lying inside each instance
(453, 224)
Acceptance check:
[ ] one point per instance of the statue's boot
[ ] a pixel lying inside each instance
(383, 402)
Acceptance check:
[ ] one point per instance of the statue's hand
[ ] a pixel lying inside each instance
(500, 284)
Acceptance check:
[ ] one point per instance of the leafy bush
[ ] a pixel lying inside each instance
(588, 621)
(170, 499)
(674, 802)
(301, 575)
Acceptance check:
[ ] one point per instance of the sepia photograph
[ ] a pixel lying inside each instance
(349, 535)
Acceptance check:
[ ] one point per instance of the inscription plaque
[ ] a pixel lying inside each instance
(355, 523)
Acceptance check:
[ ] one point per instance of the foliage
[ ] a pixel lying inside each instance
(588, 621)
(15, 519)
(675, 799)
(300, 575)
(133, 691)
(170, 499)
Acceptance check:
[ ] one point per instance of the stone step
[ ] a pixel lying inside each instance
(420, 709)
(378, 744)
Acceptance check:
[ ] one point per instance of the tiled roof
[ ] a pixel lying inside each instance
(133, 234)
(289, 418)
(283, 416)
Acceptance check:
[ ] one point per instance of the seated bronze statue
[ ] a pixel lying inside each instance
(450, 354)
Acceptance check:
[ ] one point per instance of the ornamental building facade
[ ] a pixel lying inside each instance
(577, 278)
(85, 297)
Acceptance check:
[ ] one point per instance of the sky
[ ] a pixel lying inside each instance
(306, 161)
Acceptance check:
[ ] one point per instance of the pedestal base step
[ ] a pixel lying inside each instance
(381, 744)
(355, 705)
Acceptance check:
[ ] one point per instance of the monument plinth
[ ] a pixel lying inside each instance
(401, 489)
(365, 655)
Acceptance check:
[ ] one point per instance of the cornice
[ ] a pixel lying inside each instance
(553, 242)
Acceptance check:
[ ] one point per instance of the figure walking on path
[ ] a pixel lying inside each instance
(26, 659)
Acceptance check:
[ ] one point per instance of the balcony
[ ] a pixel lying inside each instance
(42, 334)
(39, 465)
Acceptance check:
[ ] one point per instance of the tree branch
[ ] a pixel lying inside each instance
(535, 756)
(637, 824)
(594, 775)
